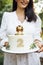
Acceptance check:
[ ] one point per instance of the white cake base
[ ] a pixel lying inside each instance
(20, 41)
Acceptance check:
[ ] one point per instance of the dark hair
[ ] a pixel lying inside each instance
(29, 11)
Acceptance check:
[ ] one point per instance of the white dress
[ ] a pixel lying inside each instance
(8, 26)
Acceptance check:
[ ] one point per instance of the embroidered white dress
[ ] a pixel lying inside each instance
(8, 26)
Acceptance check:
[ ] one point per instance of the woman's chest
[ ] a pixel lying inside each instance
(27, 27)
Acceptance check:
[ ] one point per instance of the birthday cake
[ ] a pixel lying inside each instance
(19, 40)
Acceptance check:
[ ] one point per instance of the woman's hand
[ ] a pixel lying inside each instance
(39, 44)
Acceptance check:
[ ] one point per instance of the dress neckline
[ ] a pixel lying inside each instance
(19, 20)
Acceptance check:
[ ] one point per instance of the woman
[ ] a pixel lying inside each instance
(23, 14)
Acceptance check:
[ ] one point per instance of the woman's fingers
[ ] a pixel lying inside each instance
(38, 43)
(40, 50)
(36, 40)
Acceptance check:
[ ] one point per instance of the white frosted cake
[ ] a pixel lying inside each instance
(20, 41)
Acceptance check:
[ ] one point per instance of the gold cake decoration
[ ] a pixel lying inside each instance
(20, 43)
(19, 30)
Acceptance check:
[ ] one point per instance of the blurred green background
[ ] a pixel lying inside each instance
(6, 5)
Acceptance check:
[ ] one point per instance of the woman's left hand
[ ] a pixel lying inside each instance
(39, 44)
(41, 49)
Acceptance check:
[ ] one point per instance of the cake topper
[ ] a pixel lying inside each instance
(19, 30)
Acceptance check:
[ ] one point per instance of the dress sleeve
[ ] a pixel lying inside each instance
(38, 29)
(3, 29)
